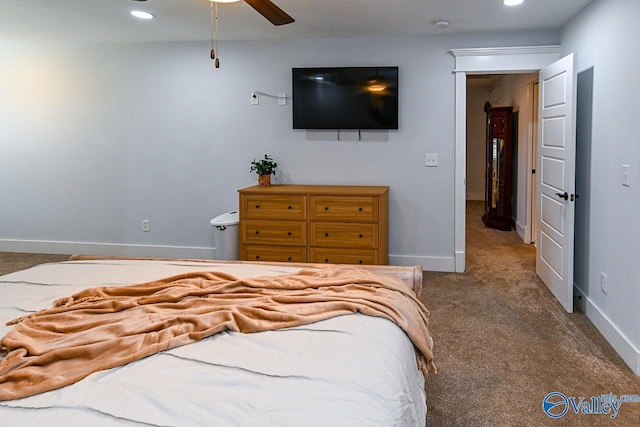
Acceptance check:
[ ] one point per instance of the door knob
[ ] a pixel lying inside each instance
(564, 195)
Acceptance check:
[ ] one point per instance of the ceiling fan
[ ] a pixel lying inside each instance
(269, 10)
(266, 8)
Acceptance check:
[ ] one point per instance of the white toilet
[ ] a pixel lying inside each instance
(225, 232)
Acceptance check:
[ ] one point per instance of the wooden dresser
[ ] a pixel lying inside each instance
(315, 223)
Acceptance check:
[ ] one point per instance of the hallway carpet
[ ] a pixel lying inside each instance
(502, 342)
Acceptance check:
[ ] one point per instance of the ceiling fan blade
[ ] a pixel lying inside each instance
(270, 11)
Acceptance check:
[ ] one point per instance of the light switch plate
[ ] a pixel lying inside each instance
(626, 180)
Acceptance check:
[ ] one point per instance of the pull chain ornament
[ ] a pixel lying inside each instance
(214, 36)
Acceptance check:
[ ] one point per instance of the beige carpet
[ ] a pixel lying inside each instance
(12, 261)
(502, 342)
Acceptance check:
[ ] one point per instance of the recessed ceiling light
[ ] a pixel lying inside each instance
(441, 23)
(142, 15)
(512, 2)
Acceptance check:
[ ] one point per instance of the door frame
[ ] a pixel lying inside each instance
(531, 227)
(497, 60)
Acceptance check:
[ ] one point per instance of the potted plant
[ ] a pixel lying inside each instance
(264, 168)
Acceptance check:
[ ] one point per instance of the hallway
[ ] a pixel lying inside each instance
(502, 341)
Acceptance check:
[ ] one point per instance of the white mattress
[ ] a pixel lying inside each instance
(351, 370)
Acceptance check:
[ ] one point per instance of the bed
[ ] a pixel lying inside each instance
(346, 370)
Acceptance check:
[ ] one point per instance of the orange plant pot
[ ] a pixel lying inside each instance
(264, 180)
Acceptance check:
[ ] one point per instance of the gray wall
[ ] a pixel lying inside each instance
(476, 140)
(604, 39)
(96, 138)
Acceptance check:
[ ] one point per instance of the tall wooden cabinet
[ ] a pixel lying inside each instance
(315, 223)
(498, 186)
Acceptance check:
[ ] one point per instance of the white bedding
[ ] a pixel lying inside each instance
(351, 370)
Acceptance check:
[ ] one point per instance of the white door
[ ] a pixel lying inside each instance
(556, 178)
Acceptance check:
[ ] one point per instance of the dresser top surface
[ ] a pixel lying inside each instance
(316, 189)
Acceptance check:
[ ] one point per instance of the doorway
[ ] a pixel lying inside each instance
(556, 175)
(473, 61)
(516, 90)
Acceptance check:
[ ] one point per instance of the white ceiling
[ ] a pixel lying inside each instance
(188, 20)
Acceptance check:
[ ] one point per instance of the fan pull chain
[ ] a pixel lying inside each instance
(213, 52)
(217, 61)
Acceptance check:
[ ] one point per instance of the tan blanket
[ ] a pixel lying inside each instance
(105, 327)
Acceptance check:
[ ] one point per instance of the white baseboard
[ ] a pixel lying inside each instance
(620, 343)
(148, 251)
(460, 262)
(520, 229)
(106, 249)
(445, 264)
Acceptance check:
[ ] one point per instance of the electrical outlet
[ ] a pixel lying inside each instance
(255, 100)
(282, 98)
(604, 283)
(431, 160)
(145, 225)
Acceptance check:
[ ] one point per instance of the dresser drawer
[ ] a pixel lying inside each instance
(274, 232)
(260, 206)
(274, 253)
(352, 235)
(340, 224)
(332, 208)
(343, 256)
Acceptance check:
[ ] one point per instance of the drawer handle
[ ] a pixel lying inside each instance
(289, 234)
(326, 208)
(289, 207)
(289, 259)
(360, 236)
(359, 209)
(360, 262)
(326, 260)
(257, 231)
(326, 234)
(257, 256)
(257, 206)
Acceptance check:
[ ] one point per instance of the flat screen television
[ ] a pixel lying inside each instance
(345, 98)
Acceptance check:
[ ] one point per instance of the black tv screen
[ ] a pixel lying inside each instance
(345, 98)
